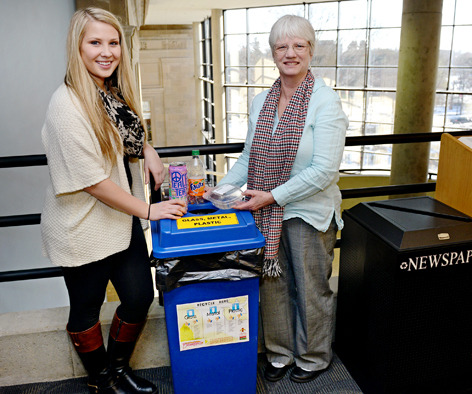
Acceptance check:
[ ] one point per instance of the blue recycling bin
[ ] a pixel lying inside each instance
(212, 310)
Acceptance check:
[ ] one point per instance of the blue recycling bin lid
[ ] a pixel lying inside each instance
(205, 229)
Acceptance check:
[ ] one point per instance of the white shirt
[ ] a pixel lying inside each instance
(76, 227)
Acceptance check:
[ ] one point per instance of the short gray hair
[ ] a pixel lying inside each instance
(292, 26)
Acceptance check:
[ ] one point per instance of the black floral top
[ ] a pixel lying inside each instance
(127, 122)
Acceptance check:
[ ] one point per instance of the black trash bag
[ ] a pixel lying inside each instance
(231, 266)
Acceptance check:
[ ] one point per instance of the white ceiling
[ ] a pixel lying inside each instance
(177, 12)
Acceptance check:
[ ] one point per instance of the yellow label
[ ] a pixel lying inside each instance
(207, 221)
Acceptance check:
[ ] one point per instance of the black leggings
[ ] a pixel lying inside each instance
(130, 273)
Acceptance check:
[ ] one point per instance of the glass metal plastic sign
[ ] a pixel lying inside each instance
(225, 219)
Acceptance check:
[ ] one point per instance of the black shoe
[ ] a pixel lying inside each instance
(301, 376)
(121, 343)
(104, 383)
(133, 383)
(273, 374)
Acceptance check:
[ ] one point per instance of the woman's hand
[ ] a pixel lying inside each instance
(258, 200)
(172, 209)
(111, 194)
(153, 165)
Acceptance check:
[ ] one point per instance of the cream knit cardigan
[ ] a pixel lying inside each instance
(76, 228)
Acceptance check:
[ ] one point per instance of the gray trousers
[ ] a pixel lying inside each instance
(297, 308)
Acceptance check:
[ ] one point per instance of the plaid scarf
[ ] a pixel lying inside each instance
(271, 159)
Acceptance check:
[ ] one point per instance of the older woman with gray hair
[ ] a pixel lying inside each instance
(290, 163)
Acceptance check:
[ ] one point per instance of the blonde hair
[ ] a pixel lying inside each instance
(292, 26)
(79, 80)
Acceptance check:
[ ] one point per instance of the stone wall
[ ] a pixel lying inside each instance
(168, 84)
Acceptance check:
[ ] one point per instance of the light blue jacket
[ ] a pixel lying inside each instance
(311, 193)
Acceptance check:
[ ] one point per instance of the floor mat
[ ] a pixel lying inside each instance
(336, 379)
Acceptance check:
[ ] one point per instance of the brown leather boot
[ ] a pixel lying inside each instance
(121, 343)
(90, 348)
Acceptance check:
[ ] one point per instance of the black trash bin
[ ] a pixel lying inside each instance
(208, 268)
(404, 321)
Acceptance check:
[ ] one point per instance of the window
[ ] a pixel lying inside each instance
(356, 53)
(206, 80)
(207, 109)
(453, 108)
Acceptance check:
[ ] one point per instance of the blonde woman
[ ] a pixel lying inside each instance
(94, 212)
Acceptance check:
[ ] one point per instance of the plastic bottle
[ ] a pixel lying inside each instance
(196, 179)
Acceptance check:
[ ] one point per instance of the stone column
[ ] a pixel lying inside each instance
(416, 87)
